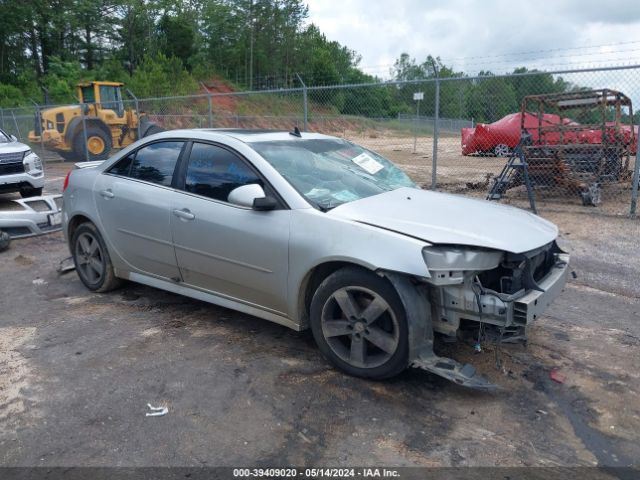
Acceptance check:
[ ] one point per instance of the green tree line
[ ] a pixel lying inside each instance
(162, 47)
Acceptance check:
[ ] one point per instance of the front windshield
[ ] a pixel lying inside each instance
(330, 172)
(4, 137)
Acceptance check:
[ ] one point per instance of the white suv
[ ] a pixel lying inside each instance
(20, 168)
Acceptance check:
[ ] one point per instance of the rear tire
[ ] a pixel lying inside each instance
(68, 156)
(152, 130)
(27, 192)
(92, 260)
(359, 324)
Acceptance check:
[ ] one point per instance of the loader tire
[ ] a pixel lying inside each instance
(98, 142)
(152, 130)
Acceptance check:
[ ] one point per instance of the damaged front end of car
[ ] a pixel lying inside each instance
(474, 290)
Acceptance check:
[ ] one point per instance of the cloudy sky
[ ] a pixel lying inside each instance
(495, 35)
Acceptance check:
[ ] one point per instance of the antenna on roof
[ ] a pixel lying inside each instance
(296, 132)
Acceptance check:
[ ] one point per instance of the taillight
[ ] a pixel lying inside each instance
(66, 181)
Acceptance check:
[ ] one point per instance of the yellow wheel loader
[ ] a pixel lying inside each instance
(90, 130)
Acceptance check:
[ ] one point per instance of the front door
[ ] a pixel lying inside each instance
(232, 251)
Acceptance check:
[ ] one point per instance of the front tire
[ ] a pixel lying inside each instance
(92, 260)
(5, 240)
(360, 325)
(98, 144)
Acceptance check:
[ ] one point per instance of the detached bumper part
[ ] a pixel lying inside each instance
(526, 309)
(529, 307)
(32, 216)
(465, 375)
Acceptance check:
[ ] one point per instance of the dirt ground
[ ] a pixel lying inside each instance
(77, 370)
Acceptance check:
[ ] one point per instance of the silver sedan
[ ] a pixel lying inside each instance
(312, 231)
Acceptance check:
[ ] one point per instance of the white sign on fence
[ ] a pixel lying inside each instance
(418, 96)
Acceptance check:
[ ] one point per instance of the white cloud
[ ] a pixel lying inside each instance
(483, 35)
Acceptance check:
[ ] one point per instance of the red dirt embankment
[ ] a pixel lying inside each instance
(222, 102)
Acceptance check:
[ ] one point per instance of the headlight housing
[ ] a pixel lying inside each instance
(459, 258)
(451, 264)
(32, 163)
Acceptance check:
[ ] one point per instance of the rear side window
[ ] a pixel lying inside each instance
(214, 172)
(123, 167)
(154, 163)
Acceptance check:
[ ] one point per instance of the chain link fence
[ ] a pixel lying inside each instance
(575, 130)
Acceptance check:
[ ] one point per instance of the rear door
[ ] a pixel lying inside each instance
(233, 251)
(134, 201)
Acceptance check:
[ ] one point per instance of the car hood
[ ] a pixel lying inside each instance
(442, 218)
(13, 147)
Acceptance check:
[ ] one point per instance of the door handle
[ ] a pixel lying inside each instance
(107, 193)
(184, 214)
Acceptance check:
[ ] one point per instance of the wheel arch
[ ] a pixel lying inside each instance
(315, 276)
(74, 223)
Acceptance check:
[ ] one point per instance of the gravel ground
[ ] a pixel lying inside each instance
(77, 370)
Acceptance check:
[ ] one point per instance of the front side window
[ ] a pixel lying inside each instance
(154, 163)
(214, 172)
(111, 99)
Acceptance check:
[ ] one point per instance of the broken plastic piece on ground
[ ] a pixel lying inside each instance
(465, 375)
(65, 265)
(557, 376)
(156, 411)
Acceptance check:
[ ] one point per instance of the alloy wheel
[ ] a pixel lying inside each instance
(360, 327)
(89, 258)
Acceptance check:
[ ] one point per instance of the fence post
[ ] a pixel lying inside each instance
(210, 109)
(415, 130)
(39, 120)
(436, 122)
(2, 118)
(84, 133)
(15, 123)
(636, 179)
(304, 99)
(135, 100)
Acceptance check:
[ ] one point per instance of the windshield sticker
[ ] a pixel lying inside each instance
(318, 192)
(345, 196)
(367, 163)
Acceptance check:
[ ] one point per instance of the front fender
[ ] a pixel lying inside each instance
(316, 239)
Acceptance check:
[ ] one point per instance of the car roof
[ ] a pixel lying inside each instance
(244, 135)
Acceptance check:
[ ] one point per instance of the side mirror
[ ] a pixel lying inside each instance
(252, 196)
(265, 203)
(13, 138)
